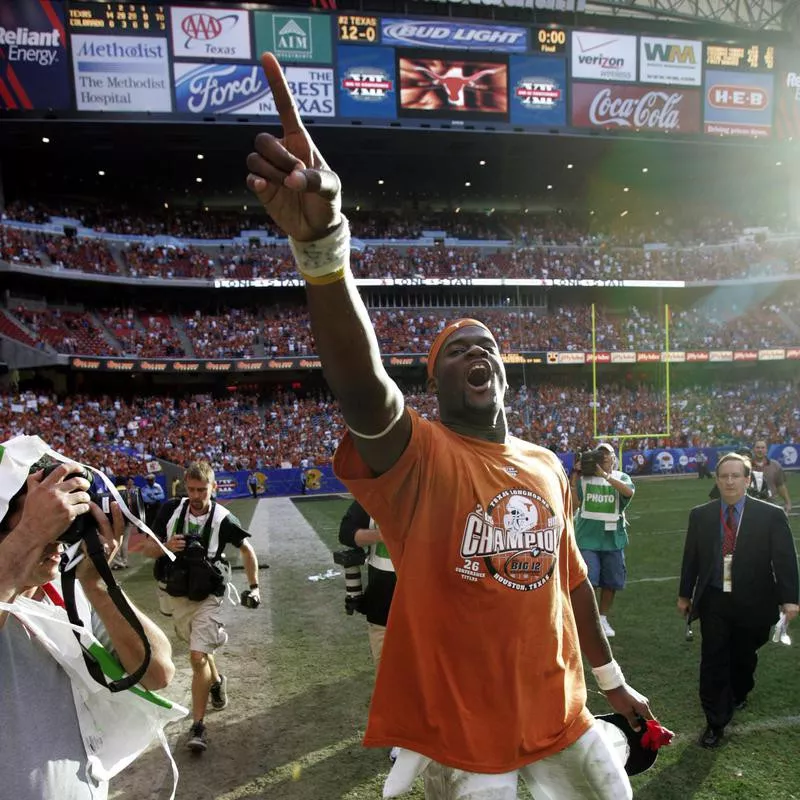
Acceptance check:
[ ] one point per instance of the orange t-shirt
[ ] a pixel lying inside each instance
(481, 667)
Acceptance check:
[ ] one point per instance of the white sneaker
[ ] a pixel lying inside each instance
(607, 629)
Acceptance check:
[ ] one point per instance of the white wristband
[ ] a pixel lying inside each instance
(609, 676)
(325, 260)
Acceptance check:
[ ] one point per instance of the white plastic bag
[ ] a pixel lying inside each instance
(116, 727)
(781, 633)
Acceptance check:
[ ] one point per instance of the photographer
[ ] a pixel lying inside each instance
(198, 530)
(601, 529)
(45, 722)
(768, 471)
(357, 529)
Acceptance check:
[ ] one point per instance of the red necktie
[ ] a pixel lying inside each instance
(729, 541)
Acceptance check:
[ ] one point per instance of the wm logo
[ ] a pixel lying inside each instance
(669, 54)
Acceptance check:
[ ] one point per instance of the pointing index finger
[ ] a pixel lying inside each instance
(282, 94)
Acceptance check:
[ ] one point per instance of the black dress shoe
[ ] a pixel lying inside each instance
(711, 738)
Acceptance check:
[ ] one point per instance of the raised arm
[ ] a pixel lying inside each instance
(303, 196)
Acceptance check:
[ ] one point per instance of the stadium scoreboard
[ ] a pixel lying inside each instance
(357, 28)
(117, 18)
(195, 62)
(740, 56)
(549, 40)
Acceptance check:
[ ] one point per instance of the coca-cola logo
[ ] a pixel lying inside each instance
(655, 109)
(636, 108)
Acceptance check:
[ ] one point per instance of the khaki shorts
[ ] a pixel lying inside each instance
(376, 633)
(199, 623)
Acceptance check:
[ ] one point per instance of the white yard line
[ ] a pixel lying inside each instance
(287, 772)
(775, 723)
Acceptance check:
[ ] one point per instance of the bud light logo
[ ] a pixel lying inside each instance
(219, 88)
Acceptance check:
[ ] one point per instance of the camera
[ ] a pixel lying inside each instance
(194, 550)
(85, 522)
(247, 599)
(589, 461)
(351, 559)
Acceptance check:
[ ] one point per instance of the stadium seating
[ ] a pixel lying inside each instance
(247, 432)
(286, 331)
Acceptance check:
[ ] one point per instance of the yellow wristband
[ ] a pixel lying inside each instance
(325, 260)
(332, 277)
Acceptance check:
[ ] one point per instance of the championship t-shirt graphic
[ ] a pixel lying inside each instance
(514, 540)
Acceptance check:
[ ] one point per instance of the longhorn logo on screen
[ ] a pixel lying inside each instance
(453, 81)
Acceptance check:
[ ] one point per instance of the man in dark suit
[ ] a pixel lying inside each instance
(739, 566)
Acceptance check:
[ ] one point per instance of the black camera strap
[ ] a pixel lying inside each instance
(94, 547)
(205, 535)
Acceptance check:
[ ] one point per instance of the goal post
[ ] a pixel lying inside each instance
(622, 437)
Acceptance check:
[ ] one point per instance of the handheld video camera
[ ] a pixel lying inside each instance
(84, 523)
(588, 462)
(351, 559)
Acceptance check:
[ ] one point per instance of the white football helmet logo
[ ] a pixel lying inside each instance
(521, 514)
(664, 461)
(789, 455)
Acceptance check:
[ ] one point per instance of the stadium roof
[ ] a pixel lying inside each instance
(751, 15)
(152, 164)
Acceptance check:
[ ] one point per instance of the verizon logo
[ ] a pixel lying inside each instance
(604, 62)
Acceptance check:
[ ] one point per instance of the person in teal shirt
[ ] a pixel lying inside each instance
(601, 529)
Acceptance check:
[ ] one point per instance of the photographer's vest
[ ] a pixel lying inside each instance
(759, 487)
(601, 501)
(378, 556)
(177, 525)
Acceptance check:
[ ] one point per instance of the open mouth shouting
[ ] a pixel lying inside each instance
(479, 376)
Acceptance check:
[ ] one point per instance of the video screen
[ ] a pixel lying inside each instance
(453, 86)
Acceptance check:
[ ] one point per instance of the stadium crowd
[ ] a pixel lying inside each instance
(716, 323)
(536, 248)
(248, 432)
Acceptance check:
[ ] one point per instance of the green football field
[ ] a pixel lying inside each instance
(319, 674)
